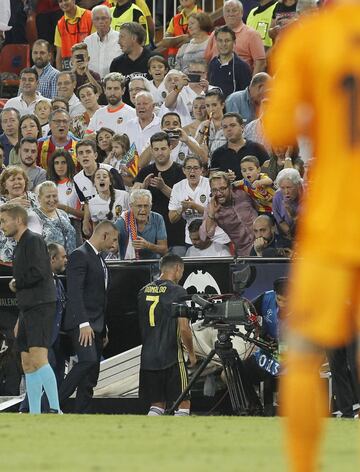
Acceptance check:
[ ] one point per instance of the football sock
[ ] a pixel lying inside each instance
(303, 403)
(182, 412)
(34, 391)
(48, 380)
(156, 411)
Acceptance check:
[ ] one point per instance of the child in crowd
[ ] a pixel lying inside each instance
(258, 185)
(158, 67)
(42, 111)
(120, 145)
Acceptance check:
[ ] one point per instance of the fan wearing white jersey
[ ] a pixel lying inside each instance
(109, 203)
(116, 113)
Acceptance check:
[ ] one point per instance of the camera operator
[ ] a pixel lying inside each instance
(163, 374)
(261, 365)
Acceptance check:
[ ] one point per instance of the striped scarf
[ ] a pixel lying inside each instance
(131, 228)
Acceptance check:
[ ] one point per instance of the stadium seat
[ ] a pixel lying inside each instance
(13, 58)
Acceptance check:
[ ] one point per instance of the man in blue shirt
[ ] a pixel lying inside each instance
(227, 70)
(142, 231)
(247, 102)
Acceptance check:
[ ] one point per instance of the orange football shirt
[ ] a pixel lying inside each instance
(316, 91)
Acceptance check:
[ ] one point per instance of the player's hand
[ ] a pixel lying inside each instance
(157, 182)
(86, 336)
(12, 285)
(147, 180)
(105, 340)
(140, 243)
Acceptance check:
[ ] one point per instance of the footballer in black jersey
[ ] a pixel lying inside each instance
(163, 374)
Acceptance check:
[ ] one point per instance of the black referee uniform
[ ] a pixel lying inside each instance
(163, 374)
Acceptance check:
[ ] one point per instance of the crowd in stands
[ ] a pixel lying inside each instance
(163, 138)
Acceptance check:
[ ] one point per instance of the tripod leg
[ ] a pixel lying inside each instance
(194, 378)
(231, 363)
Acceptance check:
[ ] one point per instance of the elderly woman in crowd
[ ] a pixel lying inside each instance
(142, 231)
(199, 28)
(286, 201)
(56, 225)
(13, 188)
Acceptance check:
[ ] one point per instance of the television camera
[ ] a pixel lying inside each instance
(225, 313)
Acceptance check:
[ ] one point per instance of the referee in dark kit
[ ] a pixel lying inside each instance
(34, 286)
(163, 374)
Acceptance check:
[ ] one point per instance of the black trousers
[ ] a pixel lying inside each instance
(342, 362)
(84, 375)
(253, 374)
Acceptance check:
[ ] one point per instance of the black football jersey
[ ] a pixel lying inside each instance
(159, 329)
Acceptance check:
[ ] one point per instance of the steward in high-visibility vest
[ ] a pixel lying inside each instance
(178, 26)
(70, 31)
(127, 13)
(260, 18)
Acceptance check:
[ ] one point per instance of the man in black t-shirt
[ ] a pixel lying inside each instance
(134, 60)
(159, 178)
(227, 158)
(163, 374)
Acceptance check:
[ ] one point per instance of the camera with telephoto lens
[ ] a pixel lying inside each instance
(229, 309)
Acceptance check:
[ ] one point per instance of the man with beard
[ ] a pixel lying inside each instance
(116, 113)
(267, 243)
(28, 155)
(41, 56)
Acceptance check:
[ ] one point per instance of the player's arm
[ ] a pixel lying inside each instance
(186, 338)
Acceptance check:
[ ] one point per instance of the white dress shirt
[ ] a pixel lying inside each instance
(102, 52)
(19, 104)
(141, 136)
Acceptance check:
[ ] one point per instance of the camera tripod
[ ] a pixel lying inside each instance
(232, 365)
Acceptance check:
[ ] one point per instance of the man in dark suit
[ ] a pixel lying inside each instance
(35, 292)
(87, 285)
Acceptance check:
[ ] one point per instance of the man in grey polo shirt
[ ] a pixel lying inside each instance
(28, 154)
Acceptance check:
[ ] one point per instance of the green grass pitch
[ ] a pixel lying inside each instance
(124, 443)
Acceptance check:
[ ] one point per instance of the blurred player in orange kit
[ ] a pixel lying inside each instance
(316, 92)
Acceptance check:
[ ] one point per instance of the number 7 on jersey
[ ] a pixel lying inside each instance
(155, 300)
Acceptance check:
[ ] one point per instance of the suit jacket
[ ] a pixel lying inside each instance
(86, 294)
(32, 272)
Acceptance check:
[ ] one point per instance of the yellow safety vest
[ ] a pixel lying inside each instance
(127, 17)
(261, 23)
